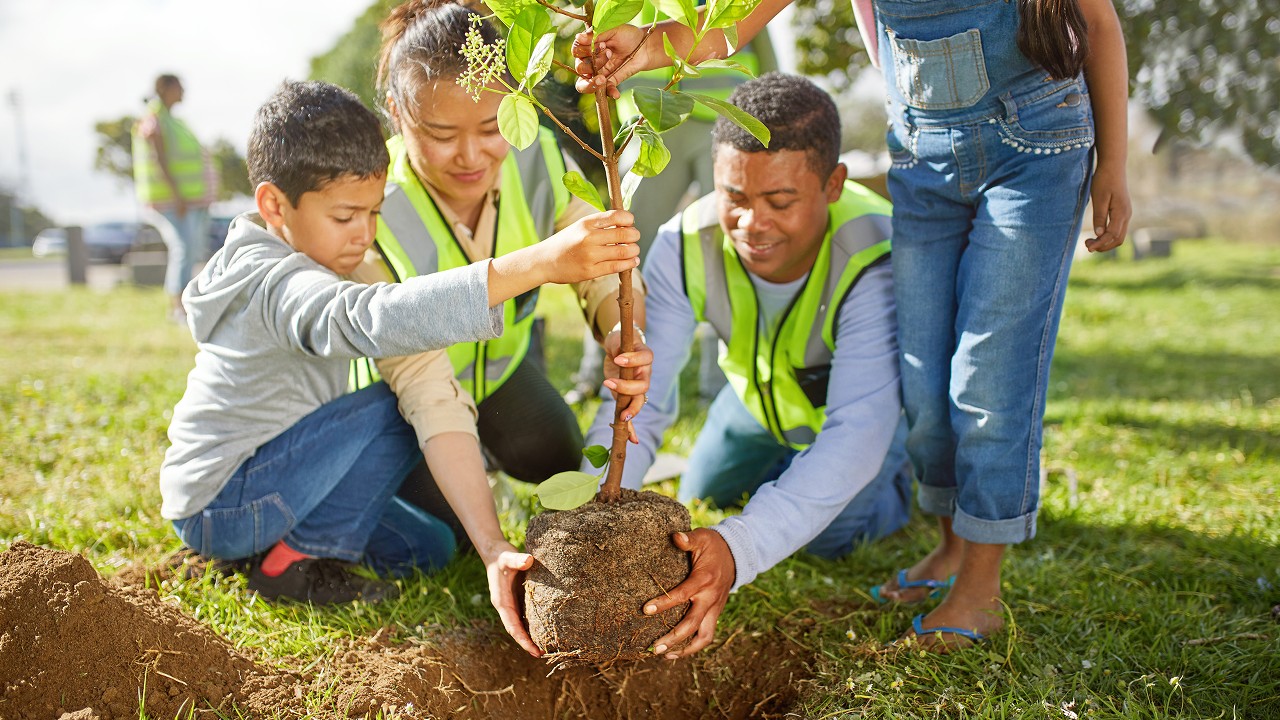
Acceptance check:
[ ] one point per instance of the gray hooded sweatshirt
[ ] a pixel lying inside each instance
(275, 333)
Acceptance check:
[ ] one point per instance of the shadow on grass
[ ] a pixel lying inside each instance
(1163, 375)
(1169, 276)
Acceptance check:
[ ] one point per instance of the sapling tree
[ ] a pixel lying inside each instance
(515, 67)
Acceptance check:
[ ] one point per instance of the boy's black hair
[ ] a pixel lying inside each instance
(309, 134)
(799, 115)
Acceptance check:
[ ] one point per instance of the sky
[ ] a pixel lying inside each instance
(75, 62)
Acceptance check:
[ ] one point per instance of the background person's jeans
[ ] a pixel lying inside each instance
(985, 220)
(734, 455)
(325, 486)
(186, 244)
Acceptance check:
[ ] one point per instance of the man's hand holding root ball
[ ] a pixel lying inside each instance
(706, 589)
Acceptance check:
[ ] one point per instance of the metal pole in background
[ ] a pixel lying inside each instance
(77, 256)
(17, 229)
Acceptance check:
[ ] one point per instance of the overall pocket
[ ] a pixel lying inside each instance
(945, 74)
(1048, 121)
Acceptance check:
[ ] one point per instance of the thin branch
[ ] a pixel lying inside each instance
(546, 111)
(647, 32)
(566, 13)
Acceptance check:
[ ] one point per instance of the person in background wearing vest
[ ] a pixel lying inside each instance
(686, 177)
(272, 458)
(458, 193)
(173, 176)
(789, 262)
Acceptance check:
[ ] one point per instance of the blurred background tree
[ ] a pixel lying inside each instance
(114, 156)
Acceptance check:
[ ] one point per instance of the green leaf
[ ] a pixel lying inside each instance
(508, 10)
(726, 13)
(518, 120)
(731, 38)
(529, 45)
(567, 490)
(597, 455)
(663, 109)
(630, 183)
(612, 13)
(744, 119)
(583, 190)
(682, 11)
(728, 65)
(654, 154)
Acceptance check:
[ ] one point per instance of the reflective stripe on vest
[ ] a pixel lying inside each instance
(414, 239)
(782, 383)
(182, 151)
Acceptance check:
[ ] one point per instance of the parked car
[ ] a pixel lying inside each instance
(50, 242)
(107, 242)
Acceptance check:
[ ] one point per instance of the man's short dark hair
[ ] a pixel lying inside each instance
(309, 134)
(799, 115)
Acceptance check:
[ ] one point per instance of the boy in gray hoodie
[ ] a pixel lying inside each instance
(265, 441)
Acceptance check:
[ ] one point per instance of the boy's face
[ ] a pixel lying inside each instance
(454, 144)
(335, 224)
(774, 208)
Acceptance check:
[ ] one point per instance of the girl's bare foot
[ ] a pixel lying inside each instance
(939, 565)
(972, 610)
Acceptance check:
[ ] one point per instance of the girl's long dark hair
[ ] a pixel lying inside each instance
(1054, 35)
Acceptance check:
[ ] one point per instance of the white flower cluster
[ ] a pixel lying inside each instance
(485, 61)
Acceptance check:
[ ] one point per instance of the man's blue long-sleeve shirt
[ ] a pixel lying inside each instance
(863, 407)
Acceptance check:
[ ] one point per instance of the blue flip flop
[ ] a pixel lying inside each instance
(935, 586)
(917, 624)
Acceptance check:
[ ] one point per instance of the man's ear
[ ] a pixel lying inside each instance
(271, 202)
(835, 183)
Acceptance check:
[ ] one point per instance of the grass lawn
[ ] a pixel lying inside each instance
(1146, 594)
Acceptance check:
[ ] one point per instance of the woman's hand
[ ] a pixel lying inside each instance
(631, 394)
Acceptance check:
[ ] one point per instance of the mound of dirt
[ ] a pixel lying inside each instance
(73, 647)
(596, 567)
(71, 643)
(483, 674)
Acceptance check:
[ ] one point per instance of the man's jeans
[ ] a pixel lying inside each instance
(326, 487)
(734, 455)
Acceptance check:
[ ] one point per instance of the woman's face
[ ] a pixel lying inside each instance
(453, 142)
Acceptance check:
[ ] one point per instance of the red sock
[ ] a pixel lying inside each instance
(279, 558)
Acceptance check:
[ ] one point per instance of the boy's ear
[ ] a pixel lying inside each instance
(271, 202)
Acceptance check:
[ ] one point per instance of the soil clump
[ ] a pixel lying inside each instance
(71, 643)
(596, 566)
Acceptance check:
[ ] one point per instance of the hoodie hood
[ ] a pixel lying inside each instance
(221, 289)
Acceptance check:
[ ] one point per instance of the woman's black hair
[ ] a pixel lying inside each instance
(1054, 35)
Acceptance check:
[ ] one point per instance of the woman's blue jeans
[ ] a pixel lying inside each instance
(326, 487)
(186, 246)
(986, 216)
(734, 455)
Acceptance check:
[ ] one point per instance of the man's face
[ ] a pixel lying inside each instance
(774, 208)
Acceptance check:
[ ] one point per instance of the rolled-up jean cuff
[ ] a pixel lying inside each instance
(994, 532)
(936, 500)
(324, 551)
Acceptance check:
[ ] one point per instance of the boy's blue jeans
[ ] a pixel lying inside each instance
(326, 487)
(986, 216)
(734, 455)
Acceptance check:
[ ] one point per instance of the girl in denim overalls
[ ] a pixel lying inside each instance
(998, 111)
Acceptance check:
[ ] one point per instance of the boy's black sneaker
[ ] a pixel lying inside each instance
(320, 581)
